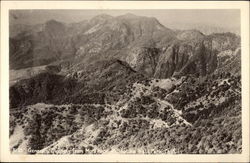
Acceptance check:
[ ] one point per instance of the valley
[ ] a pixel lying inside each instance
(123, 85)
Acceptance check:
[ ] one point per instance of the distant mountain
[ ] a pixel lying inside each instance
(214, 29)
(207, 29)
(104, 36)
(57, 41)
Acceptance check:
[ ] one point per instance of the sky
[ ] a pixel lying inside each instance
(173, 18)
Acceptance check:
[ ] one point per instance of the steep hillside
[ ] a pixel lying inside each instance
(90, 86)
(158, 116)
(26, 73)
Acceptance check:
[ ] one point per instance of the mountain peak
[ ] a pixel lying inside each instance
(52, 22)
(103, 16)
(130, 16)
(54, 26)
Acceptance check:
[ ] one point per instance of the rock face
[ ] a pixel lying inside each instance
(195, 55)
(144, 59)
(172, 60)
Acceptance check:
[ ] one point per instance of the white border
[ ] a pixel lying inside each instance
(7, 5)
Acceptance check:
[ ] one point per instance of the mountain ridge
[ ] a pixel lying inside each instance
(102, 38)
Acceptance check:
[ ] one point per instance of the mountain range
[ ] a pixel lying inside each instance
(124, 84)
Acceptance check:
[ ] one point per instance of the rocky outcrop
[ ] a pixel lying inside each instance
(229, 61)
(144, 59)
